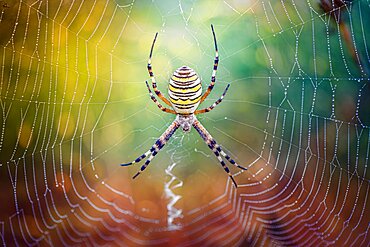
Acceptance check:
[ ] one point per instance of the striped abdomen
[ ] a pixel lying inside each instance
(185, 90)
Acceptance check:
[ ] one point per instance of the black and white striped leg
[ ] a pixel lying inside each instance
(138, 159)
(212, 144)
(214, 104)
(224, 166)
(143, 167)
(157, 146)
(215, 66)
(156, 101)
(151, 74)
(222, 152)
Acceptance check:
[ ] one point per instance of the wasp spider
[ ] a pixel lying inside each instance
(185, 91)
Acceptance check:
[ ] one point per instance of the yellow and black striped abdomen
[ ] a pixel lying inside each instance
(185, 90)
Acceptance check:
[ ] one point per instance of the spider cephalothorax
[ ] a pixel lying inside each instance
(185, 121)
(185, 91)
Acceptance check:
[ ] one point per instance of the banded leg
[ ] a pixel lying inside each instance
(214, 104)
(225, 167)
(150, 70)
(215, 66)
(156, 101)
(145, 164)
(222, 152)
(157, 146)
(212, 144)
(138, 159)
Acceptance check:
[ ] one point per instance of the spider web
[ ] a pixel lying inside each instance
(74, 106)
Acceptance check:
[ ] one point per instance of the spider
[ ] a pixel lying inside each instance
(185, 91)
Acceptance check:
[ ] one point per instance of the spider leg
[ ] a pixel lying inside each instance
(224, 166)
(145, 165)
(216, 149)
(138, 159)
(154, 83)
(157, 146)
(219, 149)
(156, 101)
(214, 104)
(215, 66)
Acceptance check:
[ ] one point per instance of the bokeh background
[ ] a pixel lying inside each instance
(74, 106)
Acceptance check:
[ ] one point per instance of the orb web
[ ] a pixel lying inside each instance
(74, 106)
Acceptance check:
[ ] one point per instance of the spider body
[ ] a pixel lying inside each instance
(185, 121)
(185, 91)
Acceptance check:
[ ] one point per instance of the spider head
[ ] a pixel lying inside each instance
(185, 121)
(186, 128)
